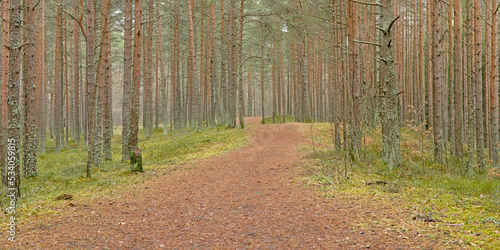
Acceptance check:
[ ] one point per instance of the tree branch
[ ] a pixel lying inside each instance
(392, 23)
(369, 43)
(79, 24)
(367, 3)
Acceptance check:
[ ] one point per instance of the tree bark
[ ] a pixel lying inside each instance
(30, 144)
(391, 133)
(127, 80)
(136, 87)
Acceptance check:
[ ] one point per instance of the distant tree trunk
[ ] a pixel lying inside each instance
(477, 75)
(438, 54)
(194, 78)
(163, 78)
(136, 87)
(13, 105)
(43, 79)
(147, 113)
(232, 81)
(354, 78)
(214, 84)
(391, 133)
(240, 72)
(494, 84)
(127, 80)
(458, 81)
(30, 145)
(176, 86)
(58, 79)
(107, 97)
(76, 77)
(262, 89)
(223, 69)
(91, 86)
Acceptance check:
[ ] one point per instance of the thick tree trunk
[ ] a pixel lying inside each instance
(30, 145)
(391, 133)
(13, 105)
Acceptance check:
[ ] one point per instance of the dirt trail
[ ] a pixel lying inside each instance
(248, 198)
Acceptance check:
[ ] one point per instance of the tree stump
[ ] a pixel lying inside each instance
(136, 160)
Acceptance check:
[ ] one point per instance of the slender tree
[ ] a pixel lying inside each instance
(127, 80)
(136, 83)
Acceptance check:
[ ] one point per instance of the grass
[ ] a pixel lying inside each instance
(466, 202)
(64, 172)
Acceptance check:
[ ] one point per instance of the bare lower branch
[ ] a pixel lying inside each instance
(367, 3)
(369, 43)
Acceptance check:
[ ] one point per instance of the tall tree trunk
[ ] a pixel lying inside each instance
(127, 80)
(477, 75)
(163, 78)
(494, 84)
(458, 81)
(240, 72)
(438, 54)
(107, 97)
(5, 88)
(136, 83)
(58, 79)
(14, 112)
(76, 76)
(30, 145)
(194, 78)
(147, 114)
(391, 133)
(91, 86)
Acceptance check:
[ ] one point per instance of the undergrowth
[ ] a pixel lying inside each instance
(461, 205)
(64, 172)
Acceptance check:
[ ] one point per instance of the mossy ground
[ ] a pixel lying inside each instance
(64, 172)
(465, 204)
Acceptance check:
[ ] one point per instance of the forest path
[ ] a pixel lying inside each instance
(248, 198)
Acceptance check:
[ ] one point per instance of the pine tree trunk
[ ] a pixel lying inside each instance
(136, 83)
(76, 78)
(30, 144)
(5, 89)
(13, 95)
(458, 81)
(438, 54)
(477, 75)
(148, 74)
(494, 84)
(58, 80)
(107, 95)
(391, 134)
(127, 80)
(91, 83)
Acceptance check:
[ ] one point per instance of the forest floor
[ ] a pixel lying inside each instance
(248, 198)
